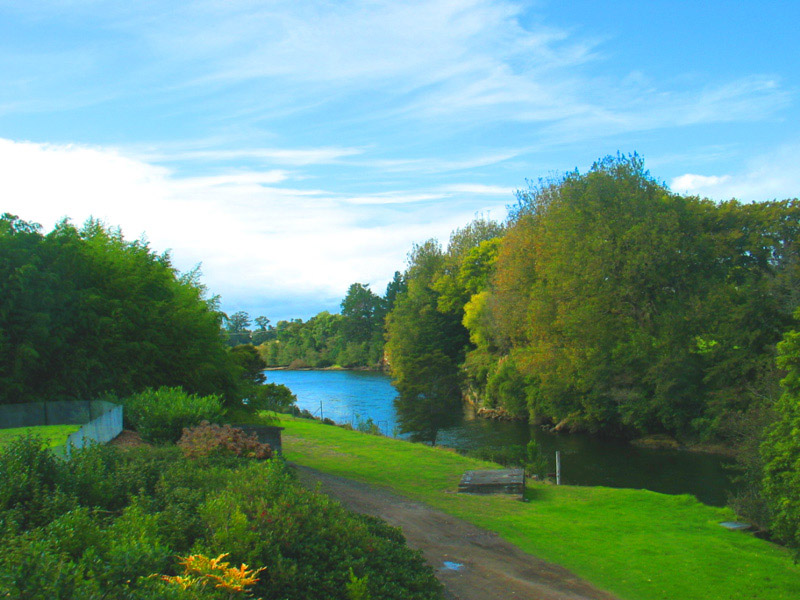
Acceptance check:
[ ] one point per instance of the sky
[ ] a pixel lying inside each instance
(293, 148)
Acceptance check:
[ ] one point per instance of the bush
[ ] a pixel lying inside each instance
(108, 478)
(109, 523)
(368, 426)
(308, 542)
(781, 449)
(208, 439)
(29, 484)
(161, 415)
(271, 396)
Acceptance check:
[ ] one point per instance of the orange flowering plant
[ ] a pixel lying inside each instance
(201, 572)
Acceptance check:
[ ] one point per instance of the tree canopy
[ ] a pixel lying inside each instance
(84, 311)
(609, 303)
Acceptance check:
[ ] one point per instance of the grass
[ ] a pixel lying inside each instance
(637, 544)
(54, 435)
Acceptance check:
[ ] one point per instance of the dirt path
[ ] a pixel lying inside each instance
(472, 563)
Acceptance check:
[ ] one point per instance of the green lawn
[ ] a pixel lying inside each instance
(54, 435)
(637, 544)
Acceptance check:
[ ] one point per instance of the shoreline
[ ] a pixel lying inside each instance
(332, 368)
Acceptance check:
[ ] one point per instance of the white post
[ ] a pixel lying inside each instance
(321, 416)
(558, 467)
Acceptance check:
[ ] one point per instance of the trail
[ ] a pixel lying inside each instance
(490, 568)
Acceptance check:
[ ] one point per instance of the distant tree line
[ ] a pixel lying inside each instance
(352, 338)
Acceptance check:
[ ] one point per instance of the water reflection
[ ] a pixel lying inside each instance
(349, 396)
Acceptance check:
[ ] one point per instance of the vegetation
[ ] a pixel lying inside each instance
(52, 435)
(161, 415)
(426, 341)
(210, 439)
(608, 303)
(146, 524)
(85, 312)
(781, 450)
(353, 338)
(637, 544)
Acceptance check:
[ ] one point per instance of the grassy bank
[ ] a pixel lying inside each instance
(54, 435)
(637, 544)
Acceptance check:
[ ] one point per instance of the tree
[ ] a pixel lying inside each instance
(425, 347)
(362, 313)
(237, 327)
(781, 449)
(264, 332)
(84, 311)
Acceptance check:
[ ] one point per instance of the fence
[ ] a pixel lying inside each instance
(100, 421)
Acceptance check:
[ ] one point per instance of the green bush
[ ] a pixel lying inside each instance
(271, 396)
(108, 478)
(308, 542)
(161, 415)
(109, 523)
(29, 484)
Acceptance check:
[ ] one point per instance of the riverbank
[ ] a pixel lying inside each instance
(640, 545)
(331, 368)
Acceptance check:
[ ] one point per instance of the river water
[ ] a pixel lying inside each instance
(353, 396)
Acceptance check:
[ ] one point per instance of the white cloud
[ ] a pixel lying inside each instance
(773, 175)
(478, 188)
(255, 239)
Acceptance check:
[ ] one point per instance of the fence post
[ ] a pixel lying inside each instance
(558, 467)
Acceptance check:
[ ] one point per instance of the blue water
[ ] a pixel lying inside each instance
(354, 396)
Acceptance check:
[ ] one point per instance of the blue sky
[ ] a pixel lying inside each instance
(296, 147)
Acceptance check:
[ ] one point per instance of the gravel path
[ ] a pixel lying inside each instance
(472, 563)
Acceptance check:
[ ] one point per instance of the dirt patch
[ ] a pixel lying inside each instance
(128, 439)
(472, 563)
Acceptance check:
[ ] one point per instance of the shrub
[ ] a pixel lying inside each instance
(161, 415)
(29, 484)
(106, 477)
(208, 439)
(368, 426)
(271, 396)
(121, 516)
(203, 573)
(309, 542)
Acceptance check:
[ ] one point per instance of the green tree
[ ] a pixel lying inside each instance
(425, 347)
(363, 313)
(781, 449)
(84, 311)
(237, 328)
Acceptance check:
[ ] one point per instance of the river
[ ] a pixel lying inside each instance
(353, 396)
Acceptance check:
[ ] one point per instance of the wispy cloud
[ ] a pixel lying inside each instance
(773, 175)
(470, 61)
(283, 156)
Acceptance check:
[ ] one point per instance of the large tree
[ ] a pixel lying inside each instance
(424, 348)
(84, 311)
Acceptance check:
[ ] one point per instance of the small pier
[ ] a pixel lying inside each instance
(501, 481)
